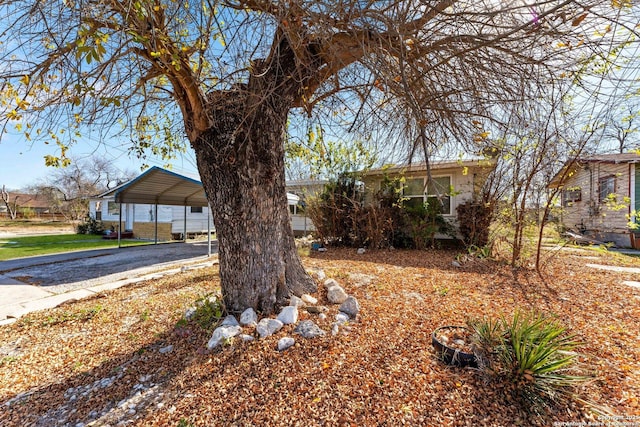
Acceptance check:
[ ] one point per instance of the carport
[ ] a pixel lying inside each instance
(158, 186)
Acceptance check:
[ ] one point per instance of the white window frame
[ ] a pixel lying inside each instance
(609, 180)
(113, 208)
(444, 195)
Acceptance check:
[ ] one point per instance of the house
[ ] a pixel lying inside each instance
(452, 182)
(599, 195)
(158, 204)
(27, 205)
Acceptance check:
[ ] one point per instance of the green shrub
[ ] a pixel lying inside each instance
(209, 310)
(90, 226)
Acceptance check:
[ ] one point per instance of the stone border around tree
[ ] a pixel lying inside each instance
(249, 328)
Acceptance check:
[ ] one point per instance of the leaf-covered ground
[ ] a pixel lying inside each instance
(98, 361)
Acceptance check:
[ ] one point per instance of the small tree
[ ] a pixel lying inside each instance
(68, 189)
(12, 206)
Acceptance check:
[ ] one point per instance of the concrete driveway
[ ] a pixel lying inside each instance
(35, 283)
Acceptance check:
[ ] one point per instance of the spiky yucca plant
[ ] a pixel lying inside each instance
(533, 353)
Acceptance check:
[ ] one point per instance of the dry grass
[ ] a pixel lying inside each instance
(381, 370)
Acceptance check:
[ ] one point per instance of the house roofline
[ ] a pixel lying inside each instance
(434, 165)
(612, 159)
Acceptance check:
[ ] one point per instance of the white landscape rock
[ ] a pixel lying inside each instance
(308, 329)
(342, 318)
(350, 307)
(330, 282)
(285, 342)
(267, 327)
(318, 274)
(336, 295)
(246, 338)
(230, 320)
(248, 317)
(288, 315)
(223, 333)
(167, 349)
(296, 301)
(308, 299)
(190, 313)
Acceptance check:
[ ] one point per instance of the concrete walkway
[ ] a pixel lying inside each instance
(634, 271)
(38, 283)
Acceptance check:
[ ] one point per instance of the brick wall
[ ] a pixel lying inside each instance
(145, 230)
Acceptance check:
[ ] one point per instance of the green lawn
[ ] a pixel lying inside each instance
(19, 247)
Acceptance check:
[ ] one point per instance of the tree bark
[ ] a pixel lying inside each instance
(241, 163)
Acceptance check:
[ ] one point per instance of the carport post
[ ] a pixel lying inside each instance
(119, 223)
(156, 225)
(185, 224)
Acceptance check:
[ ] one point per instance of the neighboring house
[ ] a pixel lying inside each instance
(303, 189)
(27, 205)
(599, 195)
(157, 201)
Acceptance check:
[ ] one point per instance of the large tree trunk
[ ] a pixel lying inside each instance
(241, 163)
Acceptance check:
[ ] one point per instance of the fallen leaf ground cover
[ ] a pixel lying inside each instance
(379, 370)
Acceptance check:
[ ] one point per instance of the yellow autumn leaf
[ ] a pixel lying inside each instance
(22, 104)
(13, 115)
(24, 80)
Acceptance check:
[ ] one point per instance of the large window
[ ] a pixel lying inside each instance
(114, 209)
(413, 192)
(606, 186)
(440, 187)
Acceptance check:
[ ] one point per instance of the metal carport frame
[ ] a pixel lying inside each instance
(158, 186)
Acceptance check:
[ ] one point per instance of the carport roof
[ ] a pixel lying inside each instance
(162, 187)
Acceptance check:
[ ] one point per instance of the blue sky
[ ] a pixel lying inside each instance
(22, 164)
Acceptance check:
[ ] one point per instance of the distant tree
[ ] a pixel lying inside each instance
(623, 127)
(240, 70)
(69, 188)
(12, 206)
(318, 157)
